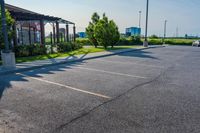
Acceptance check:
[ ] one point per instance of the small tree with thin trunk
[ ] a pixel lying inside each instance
(90, 29)
(106, 32)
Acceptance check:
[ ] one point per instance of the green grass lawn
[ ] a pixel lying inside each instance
(85, 50)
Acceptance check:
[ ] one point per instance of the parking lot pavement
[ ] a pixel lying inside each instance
(155, 90)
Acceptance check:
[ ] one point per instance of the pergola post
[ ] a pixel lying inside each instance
(54, 34)
(64, 36)
(22, 40)
(61, 37)
(34, 34)
(15, 34)
(51, 37)
(42, 30)
(29, 33)
(67, 32)
(74, 30)
(57, 32)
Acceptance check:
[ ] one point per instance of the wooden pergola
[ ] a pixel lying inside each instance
(20, 14)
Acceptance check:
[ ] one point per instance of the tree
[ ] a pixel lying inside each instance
(106, 32)
(90, 29)
(10, 21)
(115, 35)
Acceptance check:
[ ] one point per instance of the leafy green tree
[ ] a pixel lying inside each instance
(106, 32)
(90, 29)
(115, 35)
(10, 21)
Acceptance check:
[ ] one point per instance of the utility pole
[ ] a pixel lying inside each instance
(8, 57)
(140, 14)
(145, 44)
(177, 30)
(165, 30)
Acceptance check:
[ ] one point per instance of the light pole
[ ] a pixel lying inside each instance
(165, 30)
(140, 12)
(8, 57)
(145, 44)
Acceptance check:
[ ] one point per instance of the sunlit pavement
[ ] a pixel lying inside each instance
(148, 91)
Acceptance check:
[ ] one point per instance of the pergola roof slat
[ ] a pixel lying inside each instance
(20, 14)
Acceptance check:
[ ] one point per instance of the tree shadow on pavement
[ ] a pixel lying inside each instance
(140, 53)
(6, 81)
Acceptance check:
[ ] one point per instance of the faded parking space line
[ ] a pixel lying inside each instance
(109, 72)
(118, 62)
(68, 87)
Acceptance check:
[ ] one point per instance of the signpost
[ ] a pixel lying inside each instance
(8, 57)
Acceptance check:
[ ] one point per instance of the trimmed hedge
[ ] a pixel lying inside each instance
(159, 41)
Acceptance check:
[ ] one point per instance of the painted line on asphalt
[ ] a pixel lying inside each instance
(118, 62)
(68, 87)
(110, 72)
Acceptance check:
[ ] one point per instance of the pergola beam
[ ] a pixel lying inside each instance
(20, 14)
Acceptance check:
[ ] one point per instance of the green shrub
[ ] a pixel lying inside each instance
(1, 47)
(123, 41)
(171, 41)
(39, 50)
(29, 50)
(84, 42)
(66, 47)
(155, 41)
(153, 37)
(179, 41)
(135, 40)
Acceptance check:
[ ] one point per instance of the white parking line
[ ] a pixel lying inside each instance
(109, 72)
(118, 62)
(68, 87)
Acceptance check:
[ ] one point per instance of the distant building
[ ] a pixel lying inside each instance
(133, 31)
(82, 34)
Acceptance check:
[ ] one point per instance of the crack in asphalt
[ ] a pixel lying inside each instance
(109, 101)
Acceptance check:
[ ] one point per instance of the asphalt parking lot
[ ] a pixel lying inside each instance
(146, 91)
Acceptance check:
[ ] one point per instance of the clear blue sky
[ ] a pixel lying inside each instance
(183, 14)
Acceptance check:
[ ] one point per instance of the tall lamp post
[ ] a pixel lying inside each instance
(165, 30)
(8, 57)
(140, 12)
(145, 44)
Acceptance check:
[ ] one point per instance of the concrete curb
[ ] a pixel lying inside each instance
(71, 61)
